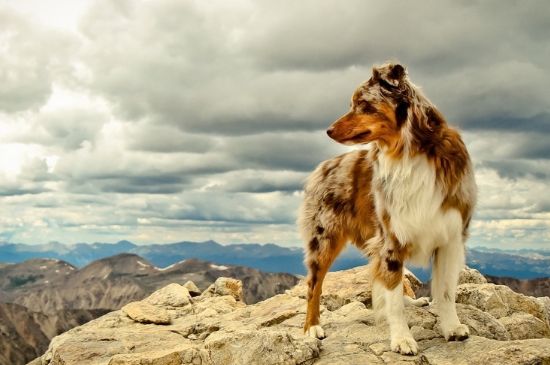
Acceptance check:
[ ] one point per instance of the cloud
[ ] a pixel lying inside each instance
(165, 120)
(505, 145)
(27, 61)
(167, 139)
(287, 151)
(254, 181)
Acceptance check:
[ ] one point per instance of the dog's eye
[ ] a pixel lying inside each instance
(366, 107)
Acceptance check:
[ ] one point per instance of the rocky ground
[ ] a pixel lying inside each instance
(173, 327)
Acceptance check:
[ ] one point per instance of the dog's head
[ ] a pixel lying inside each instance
(378, 109)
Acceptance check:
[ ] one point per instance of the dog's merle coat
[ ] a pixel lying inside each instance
(410, 197)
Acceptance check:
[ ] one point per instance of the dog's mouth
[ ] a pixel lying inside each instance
(357, 138)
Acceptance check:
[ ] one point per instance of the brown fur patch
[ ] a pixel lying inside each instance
(314, 244)
(319, 265)
(388, 266)
(330, 165)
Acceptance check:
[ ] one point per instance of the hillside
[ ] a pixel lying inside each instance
(48, 286)
(41, 298)
(535, 287)
(24, 334)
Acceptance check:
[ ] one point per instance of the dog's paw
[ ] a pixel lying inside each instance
(404, 345)
(458, 333)
(420, 302)
(316, 332)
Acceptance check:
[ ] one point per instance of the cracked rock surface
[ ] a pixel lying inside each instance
(218, 328)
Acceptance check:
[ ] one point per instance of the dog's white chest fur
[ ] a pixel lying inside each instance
(409, 193)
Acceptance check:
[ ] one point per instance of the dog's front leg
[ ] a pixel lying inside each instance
(388, 298)
(448, 261)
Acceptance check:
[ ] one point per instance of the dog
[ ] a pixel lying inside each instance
(408, 197)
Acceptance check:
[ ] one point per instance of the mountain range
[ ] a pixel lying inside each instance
(41, 298)
(519, 264)
(50, 285)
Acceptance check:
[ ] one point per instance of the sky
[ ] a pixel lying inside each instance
(169, 120)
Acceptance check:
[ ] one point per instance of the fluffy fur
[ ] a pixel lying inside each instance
(409, 197)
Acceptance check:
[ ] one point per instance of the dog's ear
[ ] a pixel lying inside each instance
(397, 72)
(389, 75)
(435, 118)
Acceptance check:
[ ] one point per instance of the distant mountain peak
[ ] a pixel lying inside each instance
(122, 263)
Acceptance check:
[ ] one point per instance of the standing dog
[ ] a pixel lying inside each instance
(409, 197)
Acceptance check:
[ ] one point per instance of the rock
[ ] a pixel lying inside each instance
(482, 351)
(217, 327)
(225, 286)
(471, 276)
(182, 354)
(263, 347)
(482, 323)
(524, 325)
(173, 295)
(144, 312)
(342, 287)
(192, 288)
(501, 301)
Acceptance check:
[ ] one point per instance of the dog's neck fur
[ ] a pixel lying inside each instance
(427, 133)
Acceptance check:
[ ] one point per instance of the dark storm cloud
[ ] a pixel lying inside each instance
(20, 190)
(159, 184)
(434, 36)
(293, 66)
(519, 124)
(516, 169)
(167, 139)
(507, 145)
(260, 185)
(287, 151)
(239, 208)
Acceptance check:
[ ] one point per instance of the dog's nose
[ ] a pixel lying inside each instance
(330, 131)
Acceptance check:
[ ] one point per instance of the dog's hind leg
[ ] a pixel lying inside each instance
(321, 252)
(448, 261)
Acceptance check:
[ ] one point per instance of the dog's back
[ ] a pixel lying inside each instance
(338, 204)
